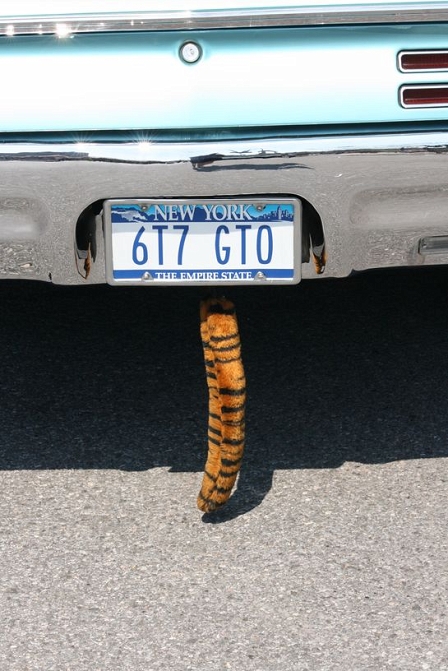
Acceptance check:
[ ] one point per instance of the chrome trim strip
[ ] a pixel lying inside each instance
(201, 154)
(424, 52)
(64, 25)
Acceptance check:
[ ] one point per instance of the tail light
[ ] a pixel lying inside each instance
(431, 95)
(423, 61)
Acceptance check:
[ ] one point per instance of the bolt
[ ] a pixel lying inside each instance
(190, 52)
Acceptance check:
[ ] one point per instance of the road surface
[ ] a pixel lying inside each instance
(332, 553)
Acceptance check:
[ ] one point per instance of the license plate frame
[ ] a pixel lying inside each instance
(243, 240)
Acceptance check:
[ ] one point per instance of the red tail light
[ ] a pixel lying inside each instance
(423, 61)
(424, 96)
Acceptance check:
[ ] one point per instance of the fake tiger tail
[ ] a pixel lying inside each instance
(227, 401)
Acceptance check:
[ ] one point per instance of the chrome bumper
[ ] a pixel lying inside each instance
(377, 195)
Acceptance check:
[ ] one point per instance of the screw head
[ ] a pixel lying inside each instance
(190, 52)
(146, 277)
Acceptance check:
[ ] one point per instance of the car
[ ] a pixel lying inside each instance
(210, 142)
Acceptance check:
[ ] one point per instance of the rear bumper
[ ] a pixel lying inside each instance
(377, 196)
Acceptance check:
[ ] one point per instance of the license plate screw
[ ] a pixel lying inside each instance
(260, 207)
(260, 276)
(146, 277)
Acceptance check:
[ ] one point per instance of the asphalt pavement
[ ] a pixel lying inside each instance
(332, 553)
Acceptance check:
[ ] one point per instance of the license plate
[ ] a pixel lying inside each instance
(180, 241)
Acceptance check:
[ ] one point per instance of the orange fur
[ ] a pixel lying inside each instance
(320, 261)
(227, 401)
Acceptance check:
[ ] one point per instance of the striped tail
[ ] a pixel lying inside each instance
(227, 401)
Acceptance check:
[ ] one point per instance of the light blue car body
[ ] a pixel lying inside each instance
(258, 77)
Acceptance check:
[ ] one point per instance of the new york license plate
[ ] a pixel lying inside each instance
(180, 241)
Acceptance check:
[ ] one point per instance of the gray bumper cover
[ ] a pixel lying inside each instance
(377, 195)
